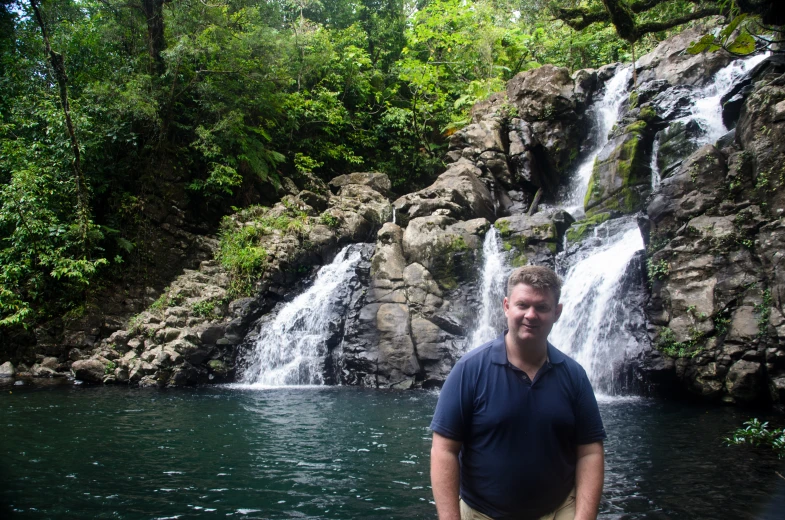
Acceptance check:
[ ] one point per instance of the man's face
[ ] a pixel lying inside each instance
(531, 314)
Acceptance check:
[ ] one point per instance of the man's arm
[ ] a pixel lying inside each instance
(589, 476)
(445, 476)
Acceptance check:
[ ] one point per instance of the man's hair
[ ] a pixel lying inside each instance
(537, 276)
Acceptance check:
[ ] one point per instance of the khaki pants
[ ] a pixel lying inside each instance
(566, 511)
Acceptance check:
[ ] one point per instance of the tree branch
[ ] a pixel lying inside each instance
(651, 27)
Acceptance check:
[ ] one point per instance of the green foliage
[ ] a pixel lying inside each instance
(110, 368)
(239, 96)
(657, 270)
(329, 220)
(756, 433)
(667, 344)
(165, 300)
(242, 256)
(763, 310)
(208, 308)
(742, 44)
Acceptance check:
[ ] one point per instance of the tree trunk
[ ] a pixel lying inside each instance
(154, 14)
(57, 62)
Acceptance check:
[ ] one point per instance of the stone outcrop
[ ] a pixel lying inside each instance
(716, 240)
(669, 62)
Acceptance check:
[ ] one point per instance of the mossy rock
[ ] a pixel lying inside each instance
(621, 173)
(453, 262)
(580, 229)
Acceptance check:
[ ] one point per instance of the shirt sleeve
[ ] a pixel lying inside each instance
(589, 427)
(453, 410)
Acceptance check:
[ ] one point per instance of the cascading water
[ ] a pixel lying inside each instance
(605, 114)
(707, 110)
(655, 168)
(494, 276)
(290, 349)
(592, 327)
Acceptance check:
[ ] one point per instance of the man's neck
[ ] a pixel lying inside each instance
(528, 357)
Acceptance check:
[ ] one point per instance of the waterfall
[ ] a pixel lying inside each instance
(290, 348)
(707, 109)
(595, 311)
(655, 169)
(594, 328)
(605, 113)
(494, 277)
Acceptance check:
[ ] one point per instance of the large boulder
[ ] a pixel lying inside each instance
(89, 370)
(694, 189)
(544, 93)
(669, 62)
(7, 369)
(444, 246)
(458, 193)
(377, 181)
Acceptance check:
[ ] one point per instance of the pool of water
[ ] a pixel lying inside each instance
(331, 452)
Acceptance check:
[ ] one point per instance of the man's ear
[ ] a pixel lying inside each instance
(559, 308)
(505, 305)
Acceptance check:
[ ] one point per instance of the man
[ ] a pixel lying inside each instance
(517, 429)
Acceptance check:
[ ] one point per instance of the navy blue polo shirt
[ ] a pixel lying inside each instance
(519, 436)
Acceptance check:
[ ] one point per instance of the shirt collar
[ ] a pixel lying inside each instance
(499, 352)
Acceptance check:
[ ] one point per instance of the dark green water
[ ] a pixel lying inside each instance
(338, 453)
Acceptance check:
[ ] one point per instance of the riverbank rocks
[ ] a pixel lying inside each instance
(90, 370)
(457, 193)
(7, 369)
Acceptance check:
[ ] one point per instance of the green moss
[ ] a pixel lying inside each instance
(594, 185)
(503, 227)
(636, 127)
(519, 260)
(449, 263)
(633, 99)
(578, 230)
(515, 242)
(553, 247)
(648, 114)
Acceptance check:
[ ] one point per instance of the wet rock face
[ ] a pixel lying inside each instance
(715, 242)
(669, 62)
(621, 178)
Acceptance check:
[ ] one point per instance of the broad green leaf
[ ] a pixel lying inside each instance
(743, 44)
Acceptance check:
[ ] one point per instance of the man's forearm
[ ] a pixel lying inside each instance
(445, 483)
(589, 476)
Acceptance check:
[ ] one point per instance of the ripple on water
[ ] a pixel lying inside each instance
(303, 453)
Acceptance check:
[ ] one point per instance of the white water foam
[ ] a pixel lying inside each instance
(290, 349)
(655, 169)
(707, 110)
(589, 294)
(494, 277)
